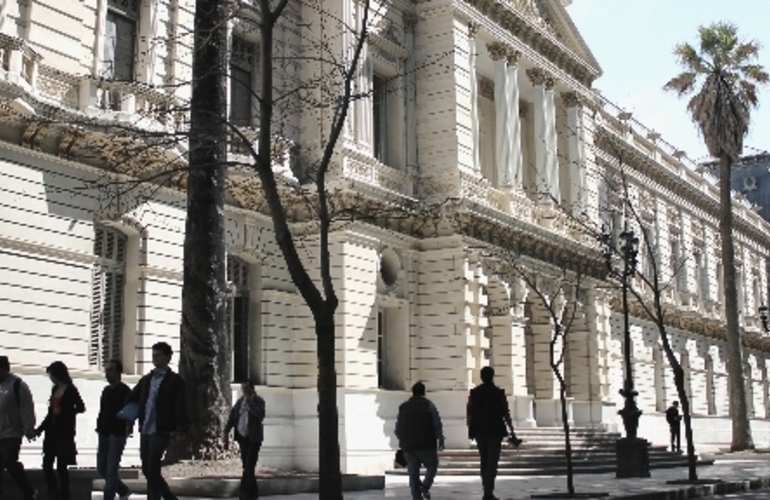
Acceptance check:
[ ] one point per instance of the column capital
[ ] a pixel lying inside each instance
(473, 29)
(573, 99)
(498, 50)
(410, 21)
(514, 56)
(539, 76)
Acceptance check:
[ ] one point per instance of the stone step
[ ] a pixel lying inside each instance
(549, 458)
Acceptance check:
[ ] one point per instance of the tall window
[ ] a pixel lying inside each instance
(748, 375)
(107, 296)
(710, 389)
(238, 316)
(119, 44)
(392, 348)
(678, 272)
(242, 66)
(660, 378)
(380, 117)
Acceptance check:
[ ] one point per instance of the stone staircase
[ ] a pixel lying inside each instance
(542, 453)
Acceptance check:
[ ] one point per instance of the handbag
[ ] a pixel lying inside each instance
(130, 412)
(400, 458)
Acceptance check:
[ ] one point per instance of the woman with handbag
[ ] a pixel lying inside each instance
(59, 427)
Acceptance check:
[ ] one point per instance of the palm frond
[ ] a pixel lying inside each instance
(755, 72)
(688, 58)
(744, 52)
(683, 83)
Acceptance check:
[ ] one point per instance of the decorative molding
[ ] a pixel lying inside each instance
(498, 51)
(486, 87)
(539, 76)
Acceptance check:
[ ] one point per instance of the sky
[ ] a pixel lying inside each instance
(633, 41)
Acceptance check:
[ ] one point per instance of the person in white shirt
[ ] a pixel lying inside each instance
(246, 418)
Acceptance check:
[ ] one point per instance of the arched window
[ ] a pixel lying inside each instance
(660, 378)
(710, 390)
(107, 296)
(238, 315)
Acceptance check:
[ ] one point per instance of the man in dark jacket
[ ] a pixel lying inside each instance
(246, 418)
(673, 418)
(113, 432)
(419, 430)
(17, 420)
(487, 416)
(162, 412)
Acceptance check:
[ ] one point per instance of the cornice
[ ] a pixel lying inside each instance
(85, 259)
(528, 34)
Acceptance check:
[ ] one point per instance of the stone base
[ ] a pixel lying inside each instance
(632, 458)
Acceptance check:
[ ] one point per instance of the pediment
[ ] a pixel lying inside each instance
(552, 17)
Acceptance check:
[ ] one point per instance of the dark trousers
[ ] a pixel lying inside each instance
(151, 450)
(9, 459)
(58, 482)
(676, 437)
(489, 453)
(415, 459)
(249, 457)
(108, 464)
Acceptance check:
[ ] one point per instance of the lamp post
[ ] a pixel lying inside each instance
(632, 455)
(763, 317)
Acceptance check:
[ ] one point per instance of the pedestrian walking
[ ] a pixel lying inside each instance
(674, 420)
(487, 416)
(245, 419)
(162, 412)
(420, 433)
(112, 431)
(59, 427)
(17, 420)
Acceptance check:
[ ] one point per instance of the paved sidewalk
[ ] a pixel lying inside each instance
(740, 469)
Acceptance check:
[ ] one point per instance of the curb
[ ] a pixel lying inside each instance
(701, 491)
(224, 488)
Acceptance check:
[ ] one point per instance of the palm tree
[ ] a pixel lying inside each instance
(722, 78)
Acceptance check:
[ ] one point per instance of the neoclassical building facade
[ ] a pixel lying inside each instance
(482, 107)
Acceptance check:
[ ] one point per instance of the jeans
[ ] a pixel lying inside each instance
(108, 464)
(489, 453)
(676, 437)
(151, 450)
(9, 459)
(416, 458)
(249, 456)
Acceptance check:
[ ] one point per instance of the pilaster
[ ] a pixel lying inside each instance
(576, 151)
(498, 52)
(473, 30)
(546, 160)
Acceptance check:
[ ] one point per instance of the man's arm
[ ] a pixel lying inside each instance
(397, 430)
(437, 424)
(27, 410)
(506, 411)
(256, 406)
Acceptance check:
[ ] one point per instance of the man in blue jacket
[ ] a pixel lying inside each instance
(419, 432)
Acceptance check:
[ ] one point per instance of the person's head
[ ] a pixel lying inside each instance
(58, 373)
(113, 370)
(247, 388)
(5, 368)
(418, 390)
(676, 404)
(487, 374)
(161, 355)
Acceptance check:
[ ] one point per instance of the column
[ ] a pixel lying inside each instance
(546, 162)
(523, 402)
(473, 30)
(577, 155)
(410, 21)
(583, 343)
(515, 159)
(498, 52)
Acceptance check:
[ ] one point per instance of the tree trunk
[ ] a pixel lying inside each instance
(685, 400)
(330, 479)
(567, 440)
(740, 415)
(205, 343)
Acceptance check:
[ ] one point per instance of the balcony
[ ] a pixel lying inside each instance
(19, 62)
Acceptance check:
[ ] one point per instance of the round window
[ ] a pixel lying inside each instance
(390, 266)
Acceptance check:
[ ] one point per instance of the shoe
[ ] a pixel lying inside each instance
(124, 496)
(425, 493)
(33, 496)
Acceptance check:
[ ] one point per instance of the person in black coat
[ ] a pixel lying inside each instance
(487, 417)
(162, 412)
(59, 428)
(674, 419)
(246, 418)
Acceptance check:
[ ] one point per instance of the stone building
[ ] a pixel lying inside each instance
(488, 104)
(751, 178)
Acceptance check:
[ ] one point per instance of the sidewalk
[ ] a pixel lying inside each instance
(736, 471)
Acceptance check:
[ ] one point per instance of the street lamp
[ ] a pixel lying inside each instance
(632, 456)
(763, 316)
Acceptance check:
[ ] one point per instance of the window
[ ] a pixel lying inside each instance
(392, 348)
(660, 378)
(678, 271)
(107, 299)
(748, 375)
(380, 117)
(710, 389)
(119, 47)
(242, 65)
(238, 316)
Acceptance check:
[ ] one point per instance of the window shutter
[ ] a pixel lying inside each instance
(97, 300)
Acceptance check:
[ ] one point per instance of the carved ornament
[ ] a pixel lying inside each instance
(539, 76)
